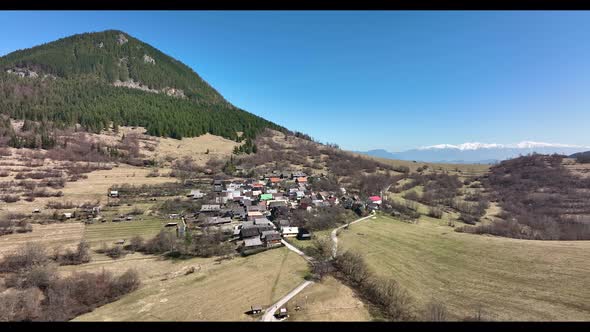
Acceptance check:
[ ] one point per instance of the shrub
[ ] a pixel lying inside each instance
(79, 256)
(32, 254)
(435, 212)
(10, 198)
(136, 243)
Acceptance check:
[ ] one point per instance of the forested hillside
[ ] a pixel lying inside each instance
(71, 81)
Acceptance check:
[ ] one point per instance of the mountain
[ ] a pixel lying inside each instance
(476, 152)
(95, 79)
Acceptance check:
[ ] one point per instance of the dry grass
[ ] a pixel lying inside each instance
(195, 147)
(329, 300)
(216, 292)
(64, 235)
(109, 232)
(512, 279)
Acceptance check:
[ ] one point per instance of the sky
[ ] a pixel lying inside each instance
(364, 80)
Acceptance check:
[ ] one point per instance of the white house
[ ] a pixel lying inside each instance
(289, 231)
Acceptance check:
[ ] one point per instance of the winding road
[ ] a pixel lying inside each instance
(269, 312)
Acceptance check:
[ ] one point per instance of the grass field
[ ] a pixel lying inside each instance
(216, 292)
(51, 236)
(511, 279)
(329, 300)
(108, 232)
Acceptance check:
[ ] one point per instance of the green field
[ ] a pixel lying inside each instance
(510, 279)
(109, 232)
(216, 292)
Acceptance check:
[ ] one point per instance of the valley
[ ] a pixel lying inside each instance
(131, 190)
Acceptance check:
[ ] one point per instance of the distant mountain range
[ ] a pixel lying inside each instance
(480, 153)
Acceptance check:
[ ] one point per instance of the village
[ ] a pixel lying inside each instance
(255, 212)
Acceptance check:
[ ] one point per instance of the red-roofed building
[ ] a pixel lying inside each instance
(302, 179)
(375, 199)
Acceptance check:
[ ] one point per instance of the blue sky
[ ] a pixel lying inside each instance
(371, 79)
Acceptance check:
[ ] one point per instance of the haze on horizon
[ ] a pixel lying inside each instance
(371, 80)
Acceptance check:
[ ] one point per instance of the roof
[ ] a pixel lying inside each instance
(275, 180)
(249, 232)
(271, 235)
(290, 230)
(266, 196)
(375, 198)
(262, 222)
(217, 220)
(302, 179)
(255, 214)
(276, 203)
(252, 242)
(210, 207)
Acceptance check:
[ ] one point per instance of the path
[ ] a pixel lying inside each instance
(334, 234)
(269, 313)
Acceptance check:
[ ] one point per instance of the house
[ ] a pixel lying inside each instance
(67, 215)
(252, 243)
(215, 221)
(277, 203)
(210, 208)
(289, 231)
(263, 223)
(171, 224)
(375, 200)
(196, 193)
(254, 214)
(301, 180)
(266, 197)
(257, 186)
(303, 234)
(373, 207)
(36, 211)
(271, 238)
(114, 193)
(239, 213)
(249, 232)
(256, 309)
(273, 181)
(282, 313)
(297, 175)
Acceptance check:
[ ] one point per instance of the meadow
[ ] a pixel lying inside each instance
(508, 279)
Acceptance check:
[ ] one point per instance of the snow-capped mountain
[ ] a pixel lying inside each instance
(476, 152)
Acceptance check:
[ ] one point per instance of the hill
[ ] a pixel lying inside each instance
(507, 279)
(109, 78)
(582, 157)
